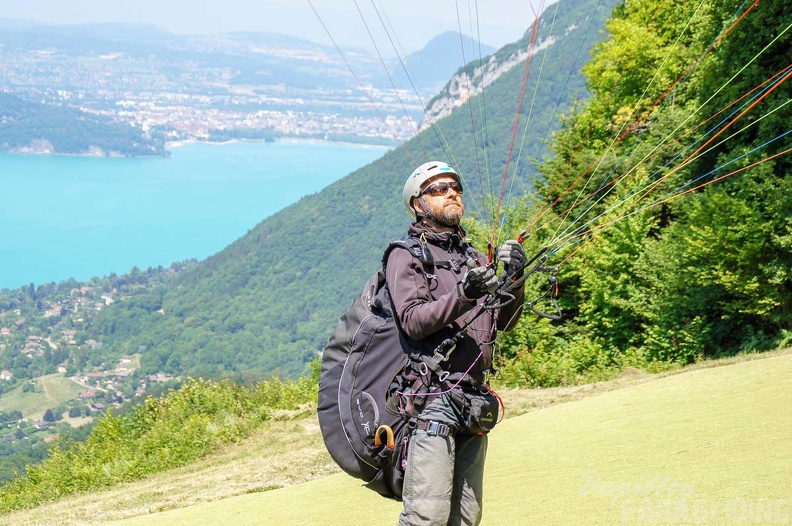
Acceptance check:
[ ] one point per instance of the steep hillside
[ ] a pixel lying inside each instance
(267, 302)
(481, 73)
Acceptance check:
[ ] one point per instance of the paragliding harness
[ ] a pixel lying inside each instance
(362, 369)
(424, 375)
(371, 395)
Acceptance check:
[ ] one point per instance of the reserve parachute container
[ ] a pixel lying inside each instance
(363, 355)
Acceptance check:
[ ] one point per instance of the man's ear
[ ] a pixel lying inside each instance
(418, 205)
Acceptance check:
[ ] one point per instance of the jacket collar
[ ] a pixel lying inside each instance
(437, 237)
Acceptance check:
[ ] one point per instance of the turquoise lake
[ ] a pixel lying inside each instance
(81, 217)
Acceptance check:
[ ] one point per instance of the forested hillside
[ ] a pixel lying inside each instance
(32, 127)
(268, 302)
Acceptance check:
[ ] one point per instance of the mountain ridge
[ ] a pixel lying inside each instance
(432, 66)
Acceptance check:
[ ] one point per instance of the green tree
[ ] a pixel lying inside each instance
(656, 276)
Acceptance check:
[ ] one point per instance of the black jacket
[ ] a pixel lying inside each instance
(430, 306)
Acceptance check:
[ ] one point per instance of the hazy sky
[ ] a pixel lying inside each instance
(415, 21)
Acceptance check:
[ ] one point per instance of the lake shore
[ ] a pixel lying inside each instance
(298, 140)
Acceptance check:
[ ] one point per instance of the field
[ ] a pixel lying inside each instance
(711, 445)
(50, 391)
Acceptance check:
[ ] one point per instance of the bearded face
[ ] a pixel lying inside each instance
(446, 209)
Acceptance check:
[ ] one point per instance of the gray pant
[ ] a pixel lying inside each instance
(443, 484)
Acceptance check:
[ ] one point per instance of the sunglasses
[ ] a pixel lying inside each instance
(441, 189)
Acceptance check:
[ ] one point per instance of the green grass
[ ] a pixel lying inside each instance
(50, 391)
(707, 445)
(710, 446)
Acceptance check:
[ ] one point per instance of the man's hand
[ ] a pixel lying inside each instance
(479, 281)
(512, 255)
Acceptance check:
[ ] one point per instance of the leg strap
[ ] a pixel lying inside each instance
(435, 428)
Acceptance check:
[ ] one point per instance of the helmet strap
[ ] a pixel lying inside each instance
(418, 214)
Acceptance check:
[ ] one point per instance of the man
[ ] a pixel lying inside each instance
(445, 456)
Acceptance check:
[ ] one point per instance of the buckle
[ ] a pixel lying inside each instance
(437, 429)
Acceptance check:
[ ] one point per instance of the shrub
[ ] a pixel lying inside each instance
(158, 434)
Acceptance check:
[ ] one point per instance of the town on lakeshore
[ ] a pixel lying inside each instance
(177, 88)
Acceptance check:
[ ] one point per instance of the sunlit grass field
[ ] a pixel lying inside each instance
(49, 392)
(710, 445)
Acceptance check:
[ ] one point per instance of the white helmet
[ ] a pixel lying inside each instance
(418, 179)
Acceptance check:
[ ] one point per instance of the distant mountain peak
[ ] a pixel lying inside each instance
(432, 66)
(452, 39)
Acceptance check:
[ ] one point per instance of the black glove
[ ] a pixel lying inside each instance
(512, 255)
(479, 281)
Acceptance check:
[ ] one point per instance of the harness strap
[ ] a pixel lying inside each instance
(419, 249)
(474, 381)
(435, 428)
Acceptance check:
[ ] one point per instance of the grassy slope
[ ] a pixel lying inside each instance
(704, 447)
